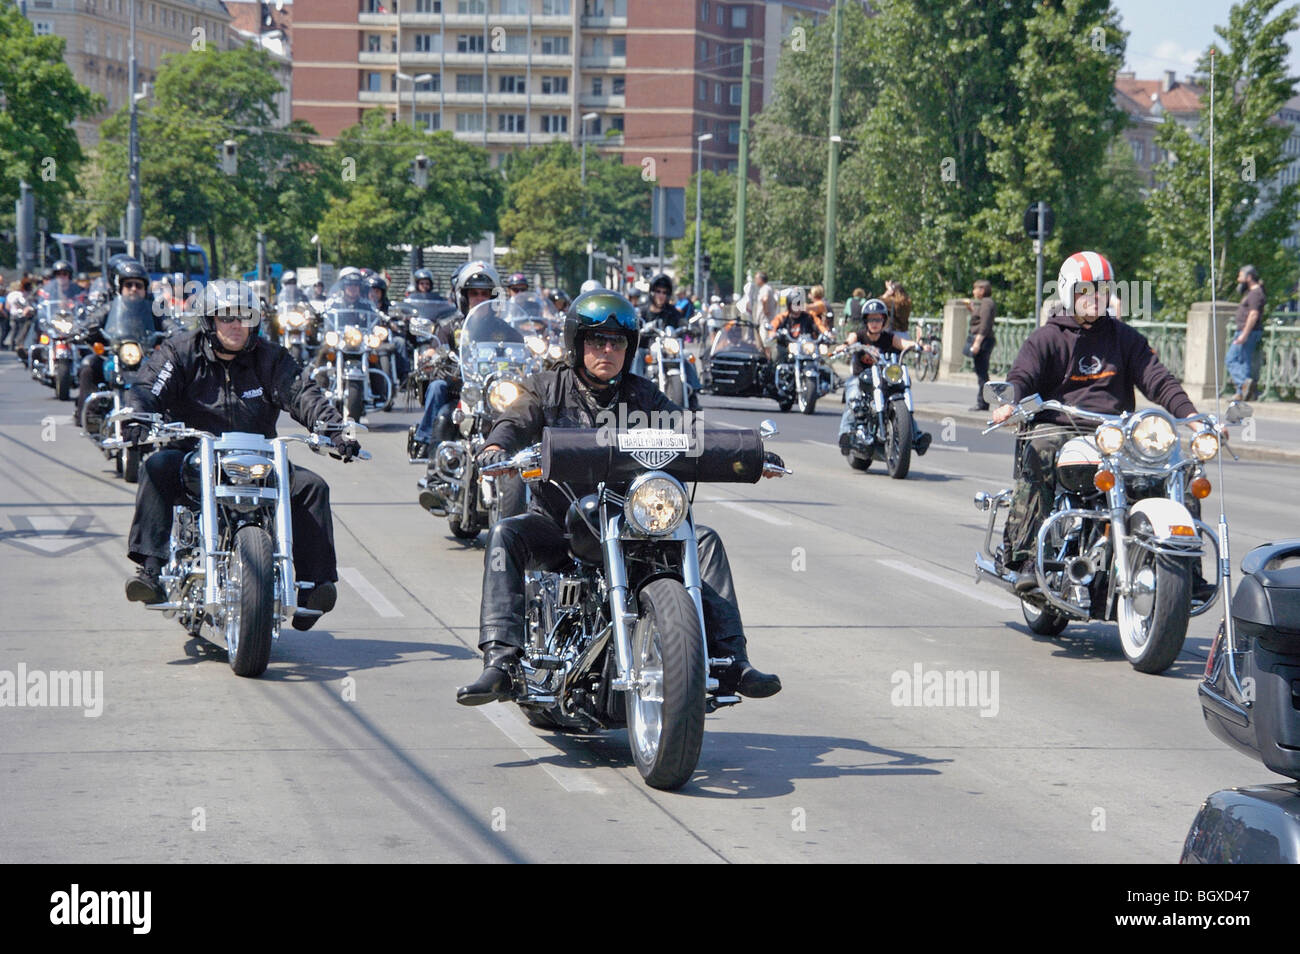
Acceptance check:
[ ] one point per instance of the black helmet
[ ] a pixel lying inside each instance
(60, 266)
(129, 269)
(516, 280)
(231, 298)
(874, 306)
(600, 310)
(661, 281)
(421, 274)
(377, 281)
(477, 274)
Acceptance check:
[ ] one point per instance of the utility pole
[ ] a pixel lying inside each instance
(133, 211)
(742, 177)
(699, 190)
(833, 163)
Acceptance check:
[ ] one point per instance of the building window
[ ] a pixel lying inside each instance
(620, 46)
(510, 123)
(428, 42)
(555, 124)
(42, 27)
(555, 85)
(620, 8)
(469, 122)
(616, 124)
(704, 11)
(374, 82)
(374, 43)
(618, 86)
(594, 8)
(471, 6)
(429, 121)
(597, 86)
(555, 46)
(469, 83)
(511, 84)
(704, 49)
(428, 6)
(514, 8)
(431, 85)
(555, 8)
(733, 133)
(717, 93)
(720, 13)
(734, 94)
(739, 18)
(469, 43)
(701, 90)
(516, 43)
(597, 47)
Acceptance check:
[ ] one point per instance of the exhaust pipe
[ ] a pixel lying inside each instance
(1080, 571)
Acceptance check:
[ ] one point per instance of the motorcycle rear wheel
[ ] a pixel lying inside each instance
(1043, 621)
(898, 440)
(250, 600)
(1153, 621)
(665, 710)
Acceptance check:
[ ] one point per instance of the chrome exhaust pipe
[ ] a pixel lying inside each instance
(1080, 571)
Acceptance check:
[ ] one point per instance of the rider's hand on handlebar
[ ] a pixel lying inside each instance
(134, 433)
(1003, 412)
(492, 454)
(346, 449)
(770, 457)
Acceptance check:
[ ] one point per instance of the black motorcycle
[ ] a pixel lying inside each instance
(882, 414)
(130, 333)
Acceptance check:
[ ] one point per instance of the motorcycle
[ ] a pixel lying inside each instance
(131, 332)
(229, 577)
(617, 637)
(802, 377)
(736, 363)
(1120, 542)
(666, 358)
(1248, 698)
(347, 367)
(882, 413)
(494, 358)
(297, 322)
(55, 353)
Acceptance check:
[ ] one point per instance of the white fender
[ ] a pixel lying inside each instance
(1164, 516)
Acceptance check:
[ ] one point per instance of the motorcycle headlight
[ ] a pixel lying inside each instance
(332, 339)
(380, 333)
(825, 349)
(1109, 439)
(296, 321)
(352, 336)
(1205, 445)
(656, 504)
(555, 352)
(893, 373)
(131, 354)
(671, 346)
(502, 394)
(373, 340)
(246, 467)
(1153, 436)
(535, 344)
(806, 347)
(62, 325)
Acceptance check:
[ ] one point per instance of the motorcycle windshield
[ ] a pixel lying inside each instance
(130, 320)
(489, 341)
(360, 314)
(737, 336)
(56, 291)
(432, 307)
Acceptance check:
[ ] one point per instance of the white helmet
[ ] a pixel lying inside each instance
(590, 285)
(793, 298)
(1085, 267)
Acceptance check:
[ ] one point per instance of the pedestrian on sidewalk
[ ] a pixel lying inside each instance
(981, 337)
(900, 307)
(1240, 359)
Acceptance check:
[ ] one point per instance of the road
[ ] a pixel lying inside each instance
(351, 747)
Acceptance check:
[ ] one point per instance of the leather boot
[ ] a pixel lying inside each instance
(741, 677)
(494, 684)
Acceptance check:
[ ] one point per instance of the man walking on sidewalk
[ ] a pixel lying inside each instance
(1240, 359)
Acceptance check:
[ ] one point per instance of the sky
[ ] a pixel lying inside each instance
(1165, 35)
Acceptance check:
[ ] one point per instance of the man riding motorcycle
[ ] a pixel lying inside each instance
(1085, 357)
(871, 331)
(129, 280)
(421, 284)
(797, 320)
(290, 293)
(600, 336)
(665, 314)
(225, 377)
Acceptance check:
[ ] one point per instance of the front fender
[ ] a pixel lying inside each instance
(1172, 524)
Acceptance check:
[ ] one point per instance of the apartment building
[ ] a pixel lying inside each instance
(649, 76)
(98, 47)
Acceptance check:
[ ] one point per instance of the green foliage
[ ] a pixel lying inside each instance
(1252, 216)
(542, 215)
(717, 234)
(359, 227)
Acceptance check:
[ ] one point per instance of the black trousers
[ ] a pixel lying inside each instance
(981, 362)
(160, 489)
(89, 377)
(534, 541)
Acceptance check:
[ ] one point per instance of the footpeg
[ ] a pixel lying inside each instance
(714, 703)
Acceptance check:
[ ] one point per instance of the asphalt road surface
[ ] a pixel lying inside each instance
(352, 748)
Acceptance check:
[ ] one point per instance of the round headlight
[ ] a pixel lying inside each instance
(555, 352)
(352, 336)
(893, 373)
(246, 467)
(672, 346)
(62, 325)
(332, 339)
(656, 505)
(535, 344)
(1109, 439)
(373, 340)
(807, 347)
(296, 320)
(502, 394)
(825, 349)
(1205, 445)
(380, 332)
(1153, 436)
(131, 354)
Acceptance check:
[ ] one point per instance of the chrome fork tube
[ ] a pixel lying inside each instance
(694, 586)
(208, 520)
(284, 530)
(616, 577)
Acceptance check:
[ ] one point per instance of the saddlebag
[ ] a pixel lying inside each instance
(587, 456)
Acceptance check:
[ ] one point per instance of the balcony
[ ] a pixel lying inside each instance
(606, 62)
(386, 21)
(366, 58)
(588, 101)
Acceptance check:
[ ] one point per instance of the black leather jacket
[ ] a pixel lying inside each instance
(186, 381)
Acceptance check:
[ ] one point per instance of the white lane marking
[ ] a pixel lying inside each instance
(571, 780)
(950, 447)
(367, 591)
(1001, 602)
(809, 440)
(748, 511)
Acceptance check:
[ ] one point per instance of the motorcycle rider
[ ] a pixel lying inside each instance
(871, 331)
(661, 310)
(422, 283)
(796, 319)
(226, 377)
(290, 293)
(559, 300)
(377, 289)
(517, 284)
(128, 278)
(1085, 357)
(600, 335)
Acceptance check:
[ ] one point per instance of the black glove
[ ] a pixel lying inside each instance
(771, 457)
(494, 456)
(134, 433)
(345, 449)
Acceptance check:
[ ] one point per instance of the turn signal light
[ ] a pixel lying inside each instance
(531, 474)
(1181, 530)
(45, 339)
(690, 358)
(99, 347)
(1104, 480)
(649, 359)
(1200, 488)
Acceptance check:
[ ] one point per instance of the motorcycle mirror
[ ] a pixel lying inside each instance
(767, 429)
(1238, 411)
(999, 393)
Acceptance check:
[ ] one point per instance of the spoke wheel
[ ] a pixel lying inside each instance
(898, 440)
(1153, 616)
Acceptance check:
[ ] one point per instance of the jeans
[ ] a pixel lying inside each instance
(434, 401)
(851, 388)
(1240, 359)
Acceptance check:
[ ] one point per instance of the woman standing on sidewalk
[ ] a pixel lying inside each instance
(981, 310)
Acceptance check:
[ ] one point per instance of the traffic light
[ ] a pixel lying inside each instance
(230, 157)
(706, 263)
(420, 171)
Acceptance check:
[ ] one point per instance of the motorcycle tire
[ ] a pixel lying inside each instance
(665, 722)
(249, 624)
(117, 462)
(784, 406)
(385, 387)
(858, 463)
(1043, 621)
(676, 390)
(356, 401)
(807, 396)
(63, 379)
(463, 531)
(130, 458)
(898, 440)
(1153, 639)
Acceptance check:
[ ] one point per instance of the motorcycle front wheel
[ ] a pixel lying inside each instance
(130, 458)
(898, 440)
(249, 601)
(676, 390)
(665, 707)
(63, 379)
(356, 400)
(1153, 617)
(807, 394)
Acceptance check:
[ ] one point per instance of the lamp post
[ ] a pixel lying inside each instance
(133, 210)
(586, 118)
(699, 189)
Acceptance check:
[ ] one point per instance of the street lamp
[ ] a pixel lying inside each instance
(699, 190)
(133, 202)
(586, 118)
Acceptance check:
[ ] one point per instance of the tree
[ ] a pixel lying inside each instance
(1253, 214)
(360, 227)
(717, 236)
(40, 99)
(543, 213)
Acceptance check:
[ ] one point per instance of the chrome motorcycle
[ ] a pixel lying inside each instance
(802, 377)
(131, 332)
(298, 322)
(229, 578)
(617, 637)
(347, 367)
(55, 351)
(666, 359)
(1120, 542)
(882, 413)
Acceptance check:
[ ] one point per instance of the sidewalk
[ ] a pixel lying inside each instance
(1272, 435)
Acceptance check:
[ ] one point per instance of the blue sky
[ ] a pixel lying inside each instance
(1171, 35)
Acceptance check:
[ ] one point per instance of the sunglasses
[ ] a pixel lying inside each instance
(139, 285)
(228, 319)
(603, 342)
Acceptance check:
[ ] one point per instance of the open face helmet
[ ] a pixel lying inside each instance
(601, 311)
(477, 274)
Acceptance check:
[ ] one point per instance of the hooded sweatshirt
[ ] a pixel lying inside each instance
(1095, 369)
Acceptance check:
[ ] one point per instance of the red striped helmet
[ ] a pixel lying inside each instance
(1089, 267)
